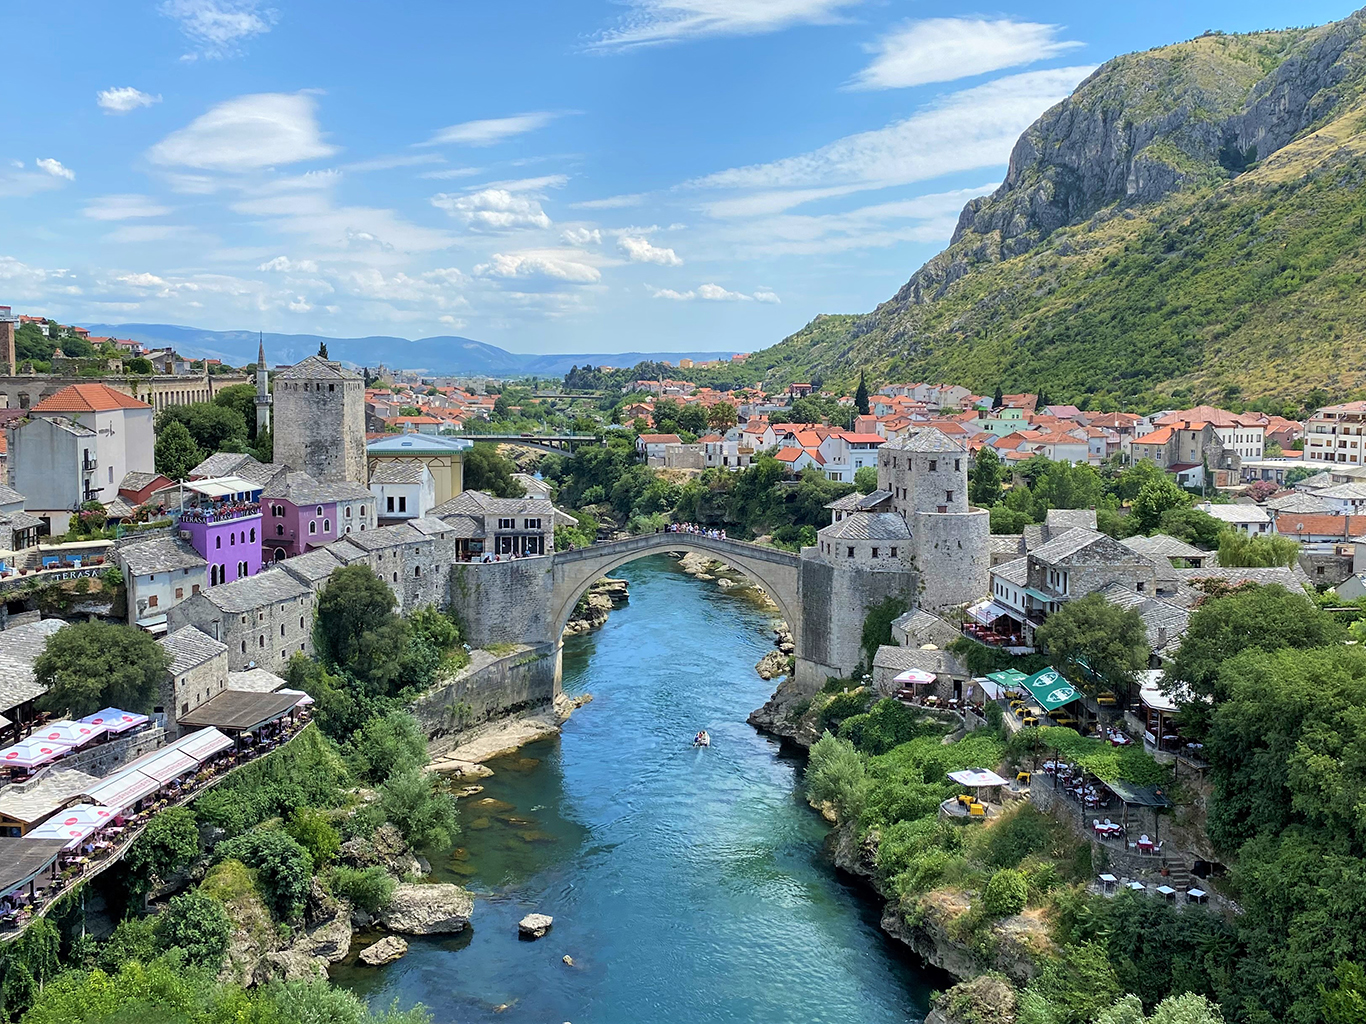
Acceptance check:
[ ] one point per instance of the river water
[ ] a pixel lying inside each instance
(687, 885)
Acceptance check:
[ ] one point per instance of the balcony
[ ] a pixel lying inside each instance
(90, 463)
(224, 513)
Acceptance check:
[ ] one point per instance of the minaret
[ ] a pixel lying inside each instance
(262, 390)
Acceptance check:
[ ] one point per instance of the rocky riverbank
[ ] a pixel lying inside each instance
(592, 610)
(778, 662)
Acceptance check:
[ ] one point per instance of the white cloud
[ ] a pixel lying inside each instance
(639, 250)
(493, 209)
(490, 130)
(945, 49)
(27, 282)
(299, 305)
(152, 233)
(527, 184)
(124, 207)
(55, 168)
(664, 21)
(582, 236)
(247, 133)
(123, 99)
(966, 130)
(143, 280)
(544, 264)
(453, 172)
(218, 27)
(18, 182)
(611, 202)
(285, 265)
(714, 293)
(388, 163)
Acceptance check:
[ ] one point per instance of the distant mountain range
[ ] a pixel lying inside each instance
(440, 355)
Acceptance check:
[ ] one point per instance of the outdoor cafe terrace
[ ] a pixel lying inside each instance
(81, 841)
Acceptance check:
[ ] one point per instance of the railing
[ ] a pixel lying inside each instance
(240, 510)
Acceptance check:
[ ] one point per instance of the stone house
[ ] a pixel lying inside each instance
(302, 513)
(504, 526)
(320, 420)
(1186, 449)
(264, 620)
(413, 558)
(199, 671)
(159, 573)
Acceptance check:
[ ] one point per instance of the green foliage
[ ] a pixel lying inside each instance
(1241, 549)
(169, 843)
(415, 803)
(214, 428)
(138, 364)
(877, 625)
(1107, 763)
(1096, 644)
(307, 773)
(313, 830)
(134, 938)
(1006, 520)
(87, 666)
(835, 775)
(1006, 894)
(1155, 499)
(486, 470)
(914, 856)
(984, 480)
(865, 479)
(861, 398)
(1072, 989)
(199, 925)
(910, 781)
(1345, 1003)
(370, 888)
(175, 452)
(1021, 832)
(355, 602)
(1192, 526)
(283, 868)
(887, 724)
(387, 745)
(841, 706)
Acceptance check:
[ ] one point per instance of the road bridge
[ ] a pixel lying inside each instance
(554, 443)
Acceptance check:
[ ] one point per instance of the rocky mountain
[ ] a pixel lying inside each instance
(1187, 225)
(439, 355)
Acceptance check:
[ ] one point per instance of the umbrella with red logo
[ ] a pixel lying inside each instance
(32, 752)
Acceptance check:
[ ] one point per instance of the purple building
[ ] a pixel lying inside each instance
(303, 513)
(221, 518)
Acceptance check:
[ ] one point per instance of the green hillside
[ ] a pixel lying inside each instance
(1189, 226)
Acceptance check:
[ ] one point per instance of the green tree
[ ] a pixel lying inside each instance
(1187, 1008)
(370, 888)
(1006, 893)
(213, 427)
(322, 349)
(283, 868)
(353, 603)
(313, 830)
(861, 396)
(387, 745)
(1096, 644)
(486, 470)
(414, 802)
(1241, 549)
(240, 399)
(1192, 526)
(836, 774)
(984, 487)
(1154, 498)
(138, 364)
(175, 452)
(865, 479)
(88, 666)
(198, 924)
(998, 399)
(721, 417)
(1072, 989)
(1345, 1003)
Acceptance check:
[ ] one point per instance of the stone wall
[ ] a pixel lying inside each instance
(834, 603)
(952, 556)
(321, 430)
(490, 687)
(504, 602)
(1327, 568)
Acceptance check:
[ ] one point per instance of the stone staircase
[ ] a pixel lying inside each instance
(1178, 874)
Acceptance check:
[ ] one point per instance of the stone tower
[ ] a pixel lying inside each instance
(262, 391)
(926, 476)
(320, 420)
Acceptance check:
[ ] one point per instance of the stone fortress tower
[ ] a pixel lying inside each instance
(262, 399)
(320, 420)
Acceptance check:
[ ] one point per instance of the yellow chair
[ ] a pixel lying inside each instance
(1067, 721)
(1022, 777)
(965, 800)
(977, 811)
(1030, 720)
(1019, 712)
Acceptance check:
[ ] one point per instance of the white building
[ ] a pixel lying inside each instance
(403, 490)
(1250, 519)
(1335, 434)
(159, 574)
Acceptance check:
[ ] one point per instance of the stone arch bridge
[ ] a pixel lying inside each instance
(775, 572)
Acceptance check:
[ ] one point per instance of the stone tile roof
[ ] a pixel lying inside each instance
(1316, 482)
(83, 398)
(1163, 546)
(161, 554)
(1016, 572)
(1236, 513)
(312, 566)
(134, 481)
(1067, 544)
(387, 537)
(478, 503)
(920, 627)
(1293, 579)
(20, 647)
(430, 527)
(20, 520)
(1164, 621)
(255, 680)
(269, 587)
(1059, 520)
(189, 648)
(399, 471)
(39, 799)
(925, 439)
(302, 489)
(864, 502)
(899, 659)
(465, 527)
(1300, 503)
(868, 526)
(223, 464)
(317, 368)
(1355, 490)
(8, 495)
(1006, 543)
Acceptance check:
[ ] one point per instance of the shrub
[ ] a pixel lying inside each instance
(1006, 894)
(311, 829)
(135, 939)
(1015, 836)
(283, 868)
(199, 925)
(844, 705)
(370, 888)
(887, 724)
(307, 773)
(412, 800)
(835, 774)
(387, 745)
(170, 842)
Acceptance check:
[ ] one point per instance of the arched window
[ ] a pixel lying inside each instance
(327, 526)
(417, 570)
(244, 647)
(253, 535)
(232, 540)
(312, 526)
(279, 531)
(395, 577)
(279, 554)
(282, 629)
(348, 511)
(218, 542)
(362, 512)
(319, 512)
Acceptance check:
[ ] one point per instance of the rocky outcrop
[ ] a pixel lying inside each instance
(774, 663)
(986, 999)
(435, 909)
(786, 714)
(386, 848)
(592, 610)
(385, 951)
(534, 926)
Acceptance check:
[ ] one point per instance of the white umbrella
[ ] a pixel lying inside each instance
(73, 734)
(915, 676)
(86, 814)
(32, 752)
(115, 720)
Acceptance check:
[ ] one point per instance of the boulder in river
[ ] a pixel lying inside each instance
(385, 951)
(533, 926)
(431, 909)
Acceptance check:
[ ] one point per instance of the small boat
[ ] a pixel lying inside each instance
(701, 739)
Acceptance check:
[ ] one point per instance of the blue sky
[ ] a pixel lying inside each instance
(571, 176)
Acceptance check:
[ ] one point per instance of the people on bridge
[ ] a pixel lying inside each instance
(693, 528)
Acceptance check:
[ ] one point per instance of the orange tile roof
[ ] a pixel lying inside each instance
(1320, 525)
(88, 398)
(1161, 436)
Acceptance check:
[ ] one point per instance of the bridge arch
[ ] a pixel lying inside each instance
(773, 571)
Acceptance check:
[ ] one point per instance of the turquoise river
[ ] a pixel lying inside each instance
(687, 885)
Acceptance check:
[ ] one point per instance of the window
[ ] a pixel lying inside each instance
(948, 495)
(279, 529)
(402, 504)
(244, 647)
(851, 551)
(331, 387)
(218, 542)
(194, 590)
(934, 465)
(301, 622)
(179, 593)
(263, 640)
(232, 540)
(282, 629)
(957, 465)
(391, 503)
(312, 526)
(362, 512)
(152, 601)
(348, 511)
(417, 571)
(507, 524)
(874, 552)
(327, 526)
(893, 552)
(319, 512)
(532, 524)
(253, 535)
(395, 577)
